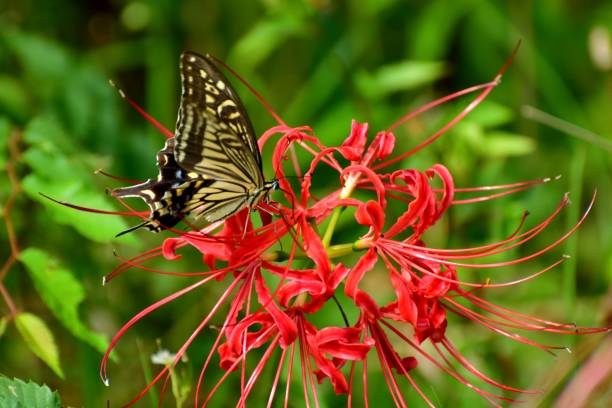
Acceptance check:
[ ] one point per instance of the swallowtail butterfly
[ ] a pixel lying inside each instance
(212, 166)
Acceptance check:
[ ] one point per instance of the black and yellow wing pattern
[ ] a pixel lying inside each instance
(212, 166)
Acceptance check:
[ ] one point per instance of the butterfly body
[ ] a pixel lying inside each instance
(212, 166)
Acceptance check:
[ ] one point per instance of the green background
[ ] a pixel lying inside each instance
(318, 63)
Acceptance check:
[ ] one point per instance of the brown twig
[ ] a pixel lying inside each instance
(14, 155)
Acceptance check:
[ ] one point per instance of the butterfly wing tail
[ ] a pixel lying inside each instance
(161, 217)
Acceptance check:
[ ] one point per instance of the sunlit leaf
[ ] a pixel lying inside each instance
(61, 292)
(97, 227)
(16, 393)
(47, 133)
(502, 144)
(264, 38)
(3, 324)
(490, 114)
(40, 340)
(400, 76)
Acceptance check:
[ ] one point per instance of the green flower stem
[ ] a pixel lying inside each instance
(334, 251)
(346, 192)
(332, 225)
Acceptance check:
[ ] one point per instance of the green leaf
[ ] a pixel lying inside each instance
(5, 131)
(400, 76)
(61, 292)
(13, 98)
(335, 125)
(96, 227)
(3, 324)
(432, 32)
(46, 132)
(40, 340)
(66, 178)
(45, 63)
(490, 114)
(503, 144)
(263, 39)
(16, 393)
(317, 90)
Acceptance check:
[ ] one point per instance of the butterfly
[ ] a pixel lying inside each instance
(212, 166)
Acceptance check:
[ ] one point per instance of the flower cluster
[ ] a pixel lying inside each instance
(271, 294)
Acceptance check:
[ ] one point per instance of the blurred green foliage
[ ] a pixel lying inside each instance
(318, 63)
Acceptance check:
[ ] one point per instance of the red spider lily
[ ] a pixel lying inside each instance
(270, 298)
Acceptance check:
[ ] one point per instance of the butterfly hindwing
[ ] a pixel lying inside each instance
(170, 194)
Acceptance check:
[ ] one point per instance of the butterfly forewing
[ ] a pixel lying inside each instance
(214, 134)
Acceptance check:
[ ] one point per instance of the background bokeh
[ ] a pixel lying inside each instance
(318, 63)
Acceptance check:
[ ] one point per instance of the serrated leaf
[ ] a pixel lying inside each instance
(40, 340)
(61, 292)
(400, 76)
(16, 393)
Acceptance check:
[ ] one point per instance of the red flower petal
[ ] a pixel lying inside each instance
(343, 343)
(285, 324)
(365, 264)
(367, 305)
(169, 248)
(386, 140)
(353, 146)
(371, 214)
(314, 248)
(406, 305)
